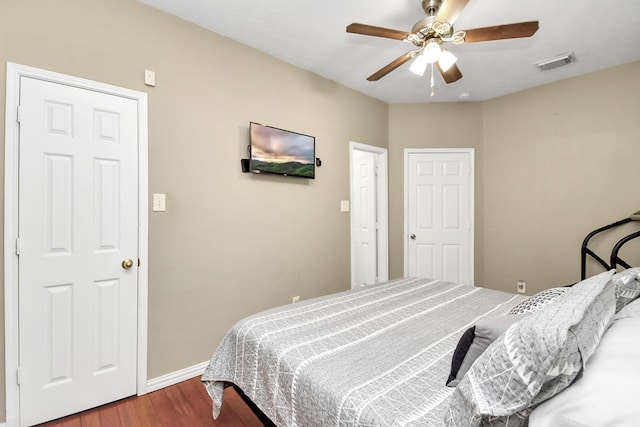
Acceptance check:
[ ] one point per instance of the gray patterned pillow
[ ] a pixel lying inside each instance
(627, 285)
(537, 301)
(535, 358)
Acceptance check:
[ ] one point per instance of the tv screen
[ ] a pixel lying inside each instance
(281, 152)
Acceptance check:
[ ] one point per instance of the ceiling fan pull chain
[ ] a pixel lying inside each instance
(432, 81)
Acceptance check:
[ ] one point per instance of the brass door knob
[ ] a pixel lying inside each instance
(127, 264)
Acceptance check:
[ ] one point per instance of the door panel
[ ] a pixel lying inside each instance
(107, 208)
(78, 204)
(424, 205)
(58, 196)
(425, 268)
(105, 323)
(453, 262)
(439, 216)
(59, 335)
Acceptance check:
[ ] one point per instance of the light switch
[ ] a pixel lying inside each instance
(344, 206)
(159, 202)
(149, 78)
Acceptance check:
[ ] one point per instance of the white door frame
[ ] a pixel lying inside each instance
(407, 154)
(11, 182)
(382, 206)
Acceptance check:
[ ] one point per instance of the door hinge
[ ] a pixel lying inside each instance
(17, 246)
(19, 114)
(18, 376)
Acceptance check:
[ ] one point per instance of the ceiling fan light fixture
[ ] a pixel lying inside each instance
(432, 51)
(446, 60)
(419, 65)
(458, 37)
(441, 27)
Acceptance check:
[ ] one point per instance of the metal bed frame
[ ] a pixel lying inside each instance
(614, 259)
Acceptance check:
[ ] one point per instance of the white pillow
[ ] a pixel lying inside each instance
(607, 392)
(630, 310)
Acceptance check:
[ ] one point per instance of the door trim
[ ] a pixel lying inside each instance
(407, 154)
(14, 73)
(383, 207)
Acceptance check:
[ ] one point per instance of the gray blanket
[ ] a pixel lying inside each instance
(376, 356)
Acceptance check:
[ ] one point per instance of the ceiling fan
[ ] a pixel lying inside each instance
(437, 28)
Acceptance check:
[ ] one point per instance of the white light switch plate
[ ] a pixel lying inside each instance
(344, 206)
(159, 202)
(149, 77)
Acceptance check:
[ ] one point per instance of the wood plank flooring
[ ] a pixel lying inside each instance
(184, 404)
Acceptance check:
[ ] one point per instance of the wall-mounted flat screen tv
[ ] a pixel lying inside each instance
(281, 152)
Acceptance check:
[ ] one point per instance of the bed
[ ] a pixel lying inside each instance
(383, 355)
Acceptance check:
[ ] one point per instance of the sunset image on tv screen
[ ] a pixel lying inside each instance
(281, 152)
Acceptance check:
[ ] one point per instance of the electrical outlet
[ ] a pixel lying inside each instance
(522, 287)
(295, 299)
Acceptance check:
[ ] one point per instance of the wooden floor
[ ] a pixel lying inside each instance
(183, 404)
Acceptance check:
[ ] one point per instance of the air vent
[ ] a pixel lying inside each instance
(558, 61)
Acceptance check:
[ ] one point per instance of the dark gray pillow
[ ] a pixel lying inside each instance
(475, 341)
(459, 353)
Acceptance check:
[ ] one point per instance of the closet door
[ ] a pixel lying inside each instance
(439, 214)
(78, 251)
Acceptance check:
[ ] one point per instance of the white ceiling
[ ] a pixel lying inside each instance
(310, 34)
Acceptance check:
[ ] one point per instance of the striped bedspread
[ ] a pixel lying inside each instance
(376, 356)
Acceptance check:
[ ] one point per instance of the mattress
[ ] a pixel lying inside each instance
(375, 356)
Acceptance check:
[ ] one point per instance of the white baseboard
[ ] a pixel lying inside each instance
(174, 377)
(169, 379)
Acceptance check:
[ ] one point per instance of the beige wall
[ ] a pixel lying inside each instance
(230, 244)
(441, 125)
(559, 161)
(552, 164)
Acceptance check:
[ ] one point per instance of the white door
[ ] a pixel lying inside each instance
(369, 214)
(364, 219)
(78, 229)
(439, 214)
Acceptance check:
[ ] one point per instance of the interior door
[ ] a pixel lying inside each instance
(439, 214)
(364, 218)
(78, 249)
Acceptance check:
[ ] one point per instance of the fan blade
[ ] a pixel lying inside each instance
(391, 66)
(449, 10)
(370, 30)
(500, 32)
(453, 74)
